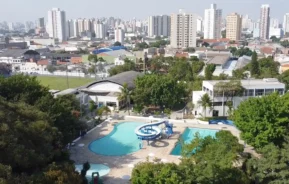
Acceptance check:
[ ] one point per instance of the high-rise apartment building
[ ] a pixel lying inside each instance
(100, 30)
(264, 21)
(286, 23)
(247, 23)
(199, 24)
(212, 22)
(183, 30)
(159, 25)
(233, 26)
(72, 28)
(57, 24)
(118, 35)
(80, 24)
(87, 25)
(274, 23)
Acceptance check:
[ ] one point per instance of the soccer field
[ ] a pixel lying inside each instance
(60, 83)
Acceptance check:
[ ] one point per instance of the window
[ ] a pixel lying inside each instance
(259, 92)
(249, 92)
(268, 91)
(280, 91)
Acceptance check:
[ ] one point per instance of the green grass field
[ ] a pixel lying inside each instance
(60, 83)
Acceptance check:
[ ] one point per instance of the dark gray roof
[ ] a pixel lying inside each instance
(13, 53)
(125, 77)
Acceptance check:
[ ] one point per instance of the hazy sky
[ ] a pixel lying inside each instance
(22, 10)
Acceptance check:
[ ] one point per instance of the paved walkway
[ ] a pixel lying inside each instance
(123, 165)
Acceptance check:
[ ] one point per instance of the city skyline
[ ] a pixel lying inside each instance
(131, 9)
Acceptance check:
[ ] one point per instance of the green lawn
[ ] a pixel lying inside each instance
(60, 83)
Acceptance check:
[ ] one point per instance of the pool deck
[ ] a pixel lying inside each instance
(123, 165)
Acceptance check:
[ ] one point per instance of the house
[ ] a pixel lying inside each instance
(105, 92)
(252, 88)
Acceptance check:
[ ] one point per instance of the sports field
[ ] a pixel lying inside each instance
(60, 83)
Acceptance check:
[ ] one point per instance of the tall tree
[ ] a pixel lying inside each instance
(209, 70)
(93, 58)
(255, 71)
(205, 102)
(124, 96)
(263, 120)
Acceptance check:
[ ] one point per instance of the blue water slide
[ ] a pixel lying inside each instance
(152, 131)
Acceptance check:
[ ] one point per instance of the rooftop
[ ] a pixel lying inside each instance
(253, 82)
(125, 77)
(219, 60)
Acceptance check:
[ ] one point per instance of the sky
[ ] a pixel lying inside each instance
(30, 10)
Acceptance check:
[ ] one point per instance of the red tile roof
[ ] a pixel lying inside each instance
(43, 62)
(267, 50)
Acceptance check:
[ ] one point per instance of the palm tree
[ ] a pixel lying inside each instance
(124, 95)
(205, 102)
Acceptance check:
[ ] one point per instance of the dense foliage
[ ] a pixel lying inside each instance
(240, 52)
(159, 90)
(212, 161)
(263, 120)
(209, 70)
(34, 129)
(127, 66)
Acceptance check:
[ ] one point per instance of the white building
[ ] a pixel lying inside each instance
(183, 30)
(73, 28)
(87, 25)
(199, 24)
(252, 88)
(286, 23)
(247, 23)
(264, 21)
(159, 25)
(118, 35)
(275, 23)
(278, 32)
(80, 25)
(105, 92)
(212, 22)
(100, 30)
(57, 24)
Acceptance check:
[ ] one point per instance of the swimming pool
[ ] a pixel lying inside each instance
(121, 141)
(100, 168)
(189, 135)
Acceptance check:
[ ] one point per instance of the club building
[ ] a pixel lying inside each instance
(252, 88)
(105, 92)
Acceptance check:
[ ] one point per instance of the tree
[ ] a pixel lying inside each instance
(205, 44)
(263, 120)
(51, 68)
(205, 102)
(285, 43)
(181, 70)
(272, 167)
(92, 58)
(92, 106)
(254, 65)
(190, 50)
(128, 66)
(159, 90)
(275, 39)
(124, 96)
(103, 110)
(209, 70)
(284, 78)
(233, 50)
(85, 168)
(117, 43)
(223, 33)
(239, 74)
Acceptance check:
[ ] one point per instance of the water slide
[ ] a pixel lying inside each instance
(152, 131)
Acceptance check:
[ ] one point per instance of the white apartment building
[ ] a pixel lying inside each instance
(87, 25)
(278, 32)
(200, 25)
(80, 25)
(183, 30)
(247, 23)
(286, 23)
(264, 21)
(275, 23)
(233, 26)
(212, 22)
(100, 30)
(57, 24)
(118, 35)
(159, 25)
(252, 88)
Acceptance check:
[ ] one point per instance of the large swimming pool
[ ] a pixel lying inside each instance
(189, 135)
(121, 141)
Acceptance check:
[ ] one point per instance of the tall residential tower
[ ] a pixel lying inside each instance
(212, 22)
(264, 21)
(183, 30)
(233, 26)
(57, 24)
(159, 25)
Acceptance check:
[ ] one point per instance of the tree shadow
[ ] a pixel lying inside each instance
(159, 144)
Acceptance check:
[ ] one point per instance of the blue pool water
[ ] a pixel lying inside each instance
(101, 169)
(121, 141)
(189, 135)
(226, 122)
